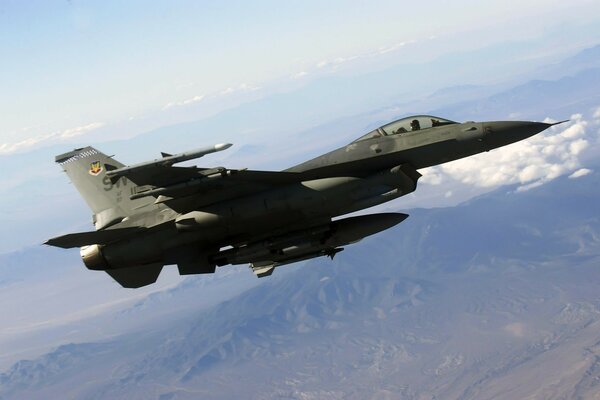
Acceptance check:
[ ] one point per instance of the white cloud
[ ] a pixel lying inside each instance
(248, 87)
(80, 130)
(337, 61)
(194, 99)
(530, 163)
(186, 102)
(597, 113)
(322, 64)
(432, 176)
(300, 74)
(7, 148)
(334, 63)
(342, 60)
(243, 87)
(580, 172)
(392, 48)
(524, 188)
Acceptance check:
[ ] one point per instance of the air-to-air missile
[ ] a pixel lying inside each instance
(168, 160)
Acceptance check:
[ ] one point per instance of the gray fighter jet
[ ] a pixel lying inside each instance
(153, 214)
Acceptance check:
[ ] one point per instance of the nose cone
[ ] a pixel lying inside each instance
(501, 133)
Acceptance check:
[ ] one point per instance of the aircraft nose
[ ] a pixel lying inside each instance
(501, 133)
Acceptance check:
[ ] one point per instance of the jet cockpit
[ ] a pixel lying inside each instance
(408, 124)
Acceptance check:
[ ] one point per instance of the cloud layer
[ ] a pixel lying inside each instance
(243, 87)
(185, 102)
(530, 163)
(8, 148)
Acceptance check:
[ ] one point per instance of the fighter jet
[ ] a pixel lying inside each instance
(154, 214)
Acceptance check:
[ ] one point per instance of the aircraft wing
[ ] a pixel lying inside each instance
(162, 173)
(94, 237)
(168, 177)
(156, 175)
(183, 188)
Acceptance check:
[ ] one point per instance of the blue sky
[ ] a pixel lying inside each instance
(70, 67)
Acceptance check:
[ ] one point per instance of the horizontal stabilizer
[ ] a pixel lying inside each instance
(135, 277)
(95, 237)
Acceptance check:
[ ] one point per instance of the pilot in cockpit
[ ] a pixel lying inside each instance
(415, 125)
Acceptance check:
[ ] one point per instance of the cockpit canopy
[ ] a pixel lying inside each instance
(408, 124)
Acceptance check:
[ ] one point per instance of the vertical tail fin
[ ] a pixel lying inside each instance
(109, 201)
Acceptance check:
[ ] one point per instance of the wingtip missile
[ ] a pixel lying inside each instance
(222, 146)
(169, 159)
(197, 153)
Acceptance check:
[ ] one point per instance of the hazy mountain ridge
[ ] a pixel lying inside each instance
(64, 360)
(535, 99)
(387, 317)
(37, 262)
(588, 58)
